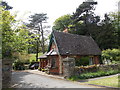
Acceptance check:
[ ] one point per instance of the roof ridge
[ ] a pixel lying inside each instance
(71, 34)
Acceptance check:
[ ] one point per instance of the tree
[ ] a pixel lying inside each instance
(22, 39)
(82, 22)
(107, 37)
(115, 17)
(84, 18)
(62, 22)
(14, 38)
(5, 5)
(105, 32)
(33, 48)
(36, 22)
(7, 33)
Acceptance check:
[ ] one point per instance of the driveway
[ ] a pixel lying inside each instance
(24, 79)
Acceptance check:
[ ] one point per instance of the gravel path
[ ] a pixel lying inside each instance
(24, 79)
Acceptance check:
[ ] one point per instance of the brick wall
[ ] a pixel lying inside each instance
(96, 60)
(53, 70)
(43, 63)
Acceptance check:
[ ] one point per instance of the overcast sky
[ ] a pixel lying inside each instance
(57, 8)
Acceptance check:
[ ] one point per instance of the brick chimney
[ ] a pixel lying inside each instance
(66, 30)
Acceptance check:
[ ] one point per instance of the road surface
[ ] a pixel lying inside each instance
(25, 79)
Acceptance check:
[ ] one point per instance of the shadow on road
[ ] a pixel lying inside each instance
(22, 80)
(18, 79)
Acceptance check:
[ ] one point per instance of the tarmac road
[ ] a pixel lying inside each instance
(24, 79)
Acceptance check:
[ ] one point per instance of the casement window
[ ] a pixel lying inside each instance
(53, 63)
(91, 61)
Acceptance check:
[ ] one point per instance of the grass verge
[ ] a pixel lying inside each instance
(110, 81)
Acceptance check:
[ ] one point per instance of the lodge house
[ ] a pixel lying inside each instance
(64, 45)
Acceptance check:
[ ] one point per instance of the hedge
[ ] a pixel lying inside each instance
(94, 74)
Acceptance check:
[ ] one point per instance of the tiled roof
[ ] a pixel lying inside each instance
(72, 44)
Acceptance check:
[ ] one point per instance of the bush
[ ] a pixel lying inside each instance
(43, 70)
(82, 61)
(20, 59)
(111, 54)
(23, 57)
(73, 78)
(39, 68)
(18, 65)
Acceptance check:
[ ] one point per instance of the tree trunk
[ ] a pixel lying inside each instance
(37, 51)
(43, 43)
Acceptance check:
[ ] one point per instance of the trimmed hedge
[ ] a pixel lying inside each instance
(94, 74)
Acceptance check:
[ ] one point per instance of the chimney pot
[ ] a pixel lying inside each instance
(66, 30)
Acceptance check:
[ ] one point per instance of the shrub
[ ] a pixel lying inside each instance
(82, 61)
(39, 68)
(20, 59)
(94, 74)
(23, 57)
(43, 70)
(73, 78)
(111, 54)
(18, 65)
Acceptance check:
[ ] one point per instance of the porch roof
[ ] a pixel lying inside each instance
(42, 57)
(52, 52)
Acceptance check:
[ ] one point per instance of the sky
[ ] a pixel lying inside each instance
(56, 8)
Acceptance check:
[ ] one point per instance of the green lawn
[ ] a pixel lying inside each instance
(33, 56)
(111, 81)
